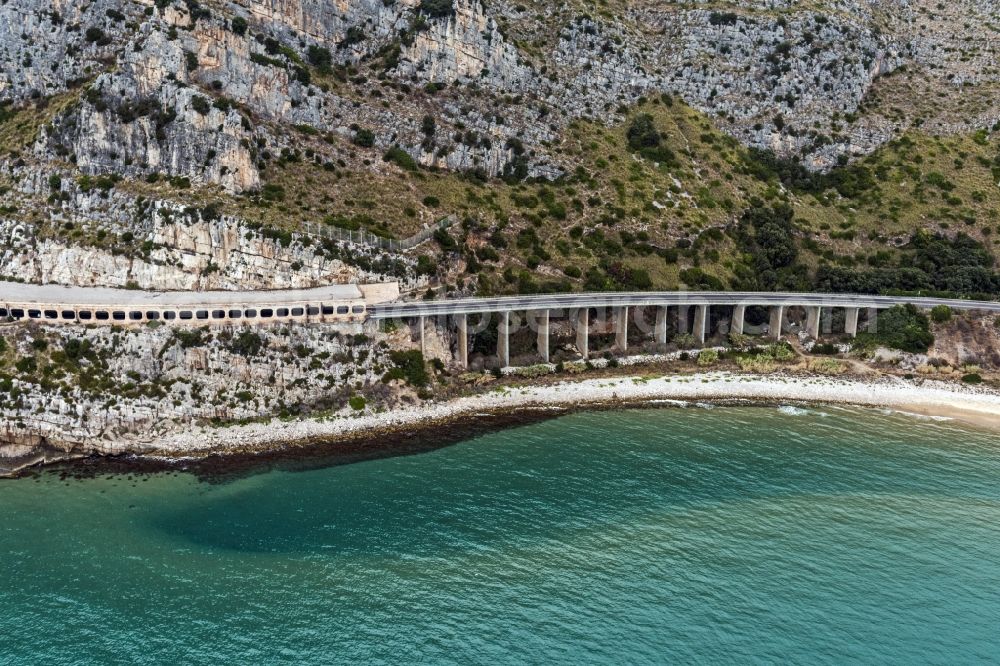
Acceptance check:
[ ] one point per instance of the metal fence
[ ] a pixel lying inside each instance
(362, 237)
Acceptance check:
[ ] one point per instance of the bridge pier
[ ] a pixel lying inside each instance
(542, 321)
(739, 316)
(503, 339)
(621, 328)
(812, 321)
(583, 332)
(851, 321)
(423, 344)
(777, 318)
(683, 319)
(660, 329)
(701, 315)
(463, 340)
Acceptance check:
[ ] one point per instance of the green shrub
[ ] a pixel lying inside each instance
(534, 371)
(343, 222)
(410, 367)
(357, 402)
(262, 59)
(645, 139)
(685, 341)
(200, 104)
(941, 313)
(272, 192)
(320, 58)
(444, 240)
(189, 338)
(428, 125)
(364, 138)
(828, 366)
(238, 25)
(901, 327)
(26, 365)
(699, 279)
(436, 8)
(103, 183)
(355, 35)
(740, 341)
(400, 158)
(708, 357)
(781, 351)
(96, 35)
(762, 363)
(247, 344)
(972, 378)
(642, 133)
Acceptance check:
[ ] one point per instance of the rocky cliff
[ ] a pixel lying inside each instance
(630, 144)
(226, 98)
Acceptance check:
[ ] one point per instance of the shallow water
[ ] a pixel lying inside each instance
(731, 534)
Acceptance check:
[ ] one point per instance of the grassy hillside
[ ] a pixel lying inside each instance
(663, 200)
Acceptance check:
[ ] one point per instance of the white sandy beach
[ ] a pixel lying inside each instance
(973, 405)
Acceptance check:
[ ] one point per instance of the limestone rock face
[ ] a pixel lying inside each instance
(776, 74)
(466, 45)
(143, 119)
(45, 45)
(328, 22)
(163, 382)
(193, 253)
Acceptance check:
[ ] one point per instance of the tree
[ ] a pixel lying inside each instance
(428, 125)
(902, 327)
(247, 343)
(320, 58)
(642, 133)
(410, 367)
(364, 138)
(96, 35)
(200, 104)
(436, 8)
(355, 35)
(238, 25)
(401, 158)
(644, 138)
(767, 236)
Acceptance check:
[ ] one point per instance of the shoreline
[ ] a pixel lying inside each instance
(340, 439)
(974, 406)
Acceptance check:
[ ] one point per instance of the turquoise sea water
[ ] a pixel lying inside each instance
(672, 535)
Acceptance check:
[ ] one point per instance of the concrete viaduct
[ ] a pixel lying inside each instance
(577, 308)
(58, 304)
(356, 303)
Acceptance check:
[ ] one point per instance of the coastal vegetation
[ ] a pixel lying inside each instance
(902, 327)
(661, 200)
(699, 210)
